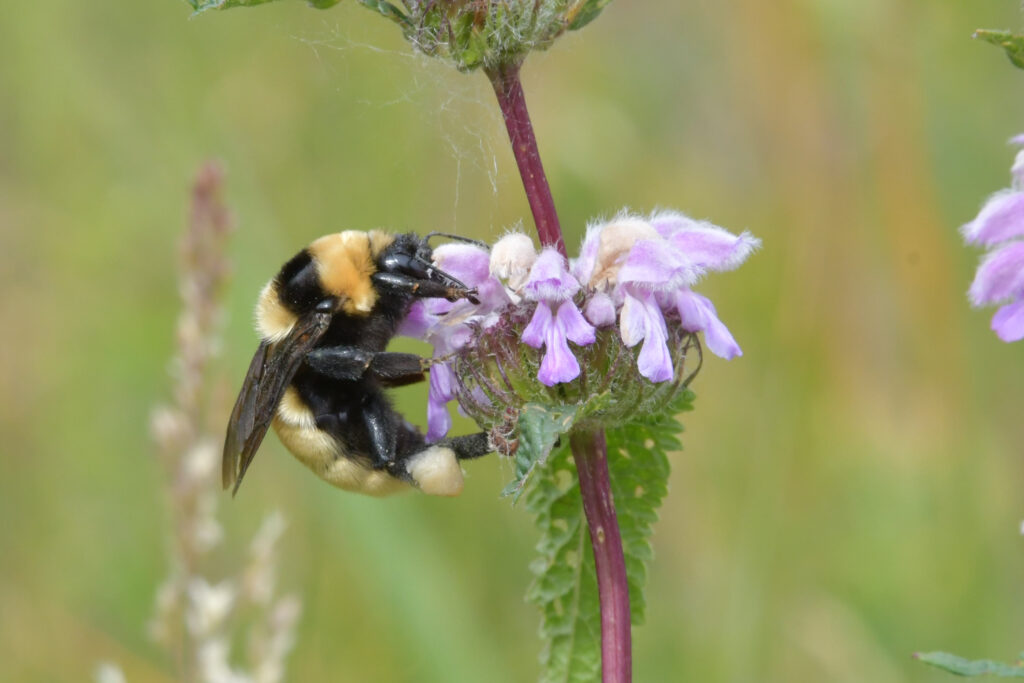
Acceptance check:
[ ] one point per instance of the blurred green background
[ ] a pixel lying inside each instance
(850, 490)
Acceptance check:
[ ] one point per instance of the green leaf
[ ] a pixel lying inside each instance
(565, 587)
(639, 469)
(585, 12)
(539, 429)
(1013, 44)
(388, 10)
(565, 584)
(966, 667)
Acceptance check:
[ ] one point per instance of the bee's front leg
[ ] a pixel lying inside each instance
(422, 289)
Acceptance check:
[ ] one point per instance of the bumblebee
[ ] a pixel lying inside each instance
(320, 372)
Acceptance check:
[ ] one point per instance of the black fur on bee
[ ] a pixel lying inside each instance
(321, 370)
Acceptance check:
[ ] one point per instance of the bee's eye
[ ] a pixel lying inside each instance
(327, 305)
(406, 264)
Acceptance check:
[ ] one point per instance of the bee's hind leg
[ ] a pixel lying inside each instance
(382, 425)
(469, 446)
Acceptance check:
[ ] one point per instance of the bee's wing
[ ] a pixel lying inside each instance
(270, 372)
(244, 436)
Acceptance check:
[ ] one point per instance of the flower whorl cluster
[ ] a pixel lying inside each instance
(1000, 277)
(629, 287)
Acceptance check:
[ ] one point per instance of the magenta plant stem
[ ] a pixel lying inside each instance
(590, 452)
(509, 90)
(589, 448)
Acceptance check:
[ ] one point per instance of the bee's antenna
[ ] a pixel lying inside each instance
(457, 238)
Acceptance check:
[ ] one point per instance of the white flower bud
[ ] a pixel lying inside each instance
(512, 258)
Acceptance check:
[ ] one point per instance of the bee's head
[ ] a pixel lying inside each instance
(411, 255)
(334, 274)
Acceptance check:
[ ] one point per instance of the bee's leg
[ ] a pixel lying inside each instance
(422, 289)
(351, 364)
(382, 424)
(469, 446)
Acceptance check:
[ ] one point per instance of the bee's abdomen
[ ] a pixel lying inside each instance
(329, 457)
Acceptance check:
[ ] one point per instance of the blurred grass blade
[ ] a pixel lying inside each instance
(966, 667)
(1012, 43)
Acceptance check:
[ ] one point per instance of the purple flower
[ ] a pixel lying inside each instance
(1000, 277)
(697, 314)
(641, 320)
(444, 324)
(1001, 219)
(651, 267)
(707, 246)
(630, 272)
(600, 310)
(712, 249)
(556, 320)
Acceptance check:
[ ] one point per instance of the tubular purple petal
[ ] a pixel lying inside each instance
(1008, 322)
(600, 310)
(535, 332)
(1000, 219)
(442, 390)
(642, 319)
(573, 325)
(549, 279)
(631, 320)
(697, 314)
(654, 361)
(467, 262)
(668, 223)
(713, 248)
(583, 267)
(656, 265)
(1000, 276)
(719, 339)
(1017, 170)
(559, 364)
(417, 323)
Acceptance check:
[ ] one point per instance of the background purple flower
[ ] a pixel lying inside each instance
(1000, 277)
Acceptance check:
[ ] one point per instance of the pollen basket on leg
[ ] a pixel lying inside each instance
(344, 265)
